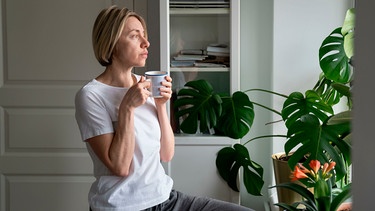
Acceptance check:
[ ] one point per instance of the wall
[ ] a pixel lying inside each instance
(279, 51)
(298, 33)
(364, 103)
(256, 72)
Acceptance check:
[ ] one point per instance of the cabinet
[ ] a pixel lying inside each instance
(195, 27)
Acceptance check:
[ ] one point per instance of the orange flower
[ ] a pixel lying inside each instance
(303, 169)
(315, 165)
(328, 167)
(298, 174)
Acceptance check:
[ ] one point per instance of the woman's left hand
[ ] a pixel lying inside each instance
(165, 91)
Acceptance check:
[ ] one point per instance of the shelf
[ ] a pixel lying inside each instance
(206, 140)
(199, 11)
(200, 69)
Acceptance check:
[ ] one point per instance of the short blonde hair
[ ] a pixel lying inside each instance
(107, 29)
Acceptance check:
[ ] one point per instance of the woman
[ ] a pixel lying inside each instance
(127, 132)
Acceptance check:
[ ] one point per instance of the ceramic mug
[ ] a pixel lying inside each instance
(156, 78)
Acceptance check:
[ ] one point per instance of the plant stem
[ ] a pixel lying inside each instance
(264, 90)
(265, 136)
(268, 108)
(267, 91)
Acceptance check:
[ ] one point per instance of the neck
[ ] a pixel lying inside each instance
(117, 77)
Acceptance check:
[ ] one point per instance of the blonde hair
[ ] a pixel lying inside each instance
(107, 29)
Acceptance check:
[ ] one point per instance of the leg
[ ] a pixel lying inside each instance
(182, 202)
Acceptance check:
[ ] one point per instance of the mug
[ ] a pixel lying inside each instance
(156, 77)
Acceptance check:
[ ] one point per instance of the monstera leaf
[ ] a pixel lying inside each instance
(228, 162)
(237, 117)
(230, 116)
(333, 59)
(197, 102)
(326, 89)
(323, 142)
(296, 106)
(348, 32)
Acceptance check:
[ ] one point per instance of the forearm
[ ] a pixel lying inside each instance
(167, 141)
(122, 148)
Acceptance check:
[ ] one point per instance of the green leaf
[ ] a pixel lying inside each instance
(349, 44)
(228, 162)
(342, 89)
(237, 116)
(311, 133)
(323, 142)
(329, 94)
(348, 32)
(301, 190)
(230, 116)
(332, 58)
(296, 106)
(198, 102)
(341, 197)
(287, 207)
(349, 21)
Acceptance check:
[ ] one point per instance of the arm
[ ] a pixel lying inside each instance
(167, 137)
(116, 150)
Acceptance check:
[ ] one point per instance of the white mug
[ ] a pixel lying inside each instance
(156, 78)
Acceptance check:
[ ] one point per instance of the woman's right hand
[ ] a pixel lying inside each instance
(137, 94)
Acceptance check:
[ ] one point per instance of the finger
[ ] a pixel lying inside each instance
(144, 83)
(166, 84)
(166, 90)
(168, 78)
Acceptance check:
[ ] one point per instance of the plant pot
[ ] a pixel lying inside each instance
(282, 175)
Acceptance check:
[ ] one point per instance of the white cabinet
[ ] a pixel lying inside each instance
(186, 28)
(195, 27)
(193, 167)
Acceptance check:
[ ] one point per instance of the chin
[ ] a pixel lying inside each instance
(141, 64)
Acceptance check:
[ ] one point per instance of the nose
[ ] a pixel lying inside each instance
(145, 43)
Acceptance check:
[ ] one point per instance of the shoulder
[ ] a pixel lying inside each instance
(88, 93)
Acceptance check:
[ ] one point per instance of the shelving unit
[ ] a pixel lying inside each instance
(195, 28)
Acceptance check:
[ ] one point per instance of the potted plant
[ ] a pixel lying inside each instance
(318, 192)
(314, 130)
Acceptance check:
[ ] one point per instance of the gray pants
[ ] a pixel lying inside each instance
(182, 202)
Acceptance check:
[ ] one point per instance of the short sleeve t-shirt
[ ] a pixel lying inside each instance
(147, 185)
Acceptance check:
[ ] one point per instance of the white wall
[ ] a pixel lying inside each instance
(256, 72)
(279, 51)
(299, 29)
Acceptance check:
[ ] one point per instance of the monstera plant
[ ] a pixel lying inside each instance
(314, 130)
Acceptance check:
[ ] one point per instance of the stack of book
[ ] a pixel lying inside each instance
(188, 58)
(215, 55)
(218, 54)
(218, 50)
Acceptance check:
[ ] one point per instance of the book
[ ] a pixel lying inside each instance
(189, 57)
(207, 64)
(193, 51)
(218, 49)
(223, 54)
(187, 63)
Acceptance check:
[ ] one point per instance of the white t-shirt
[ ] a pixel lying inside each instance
(147, 185)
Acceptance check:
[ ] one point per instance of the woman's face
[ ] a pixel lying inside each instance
(131, 48)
